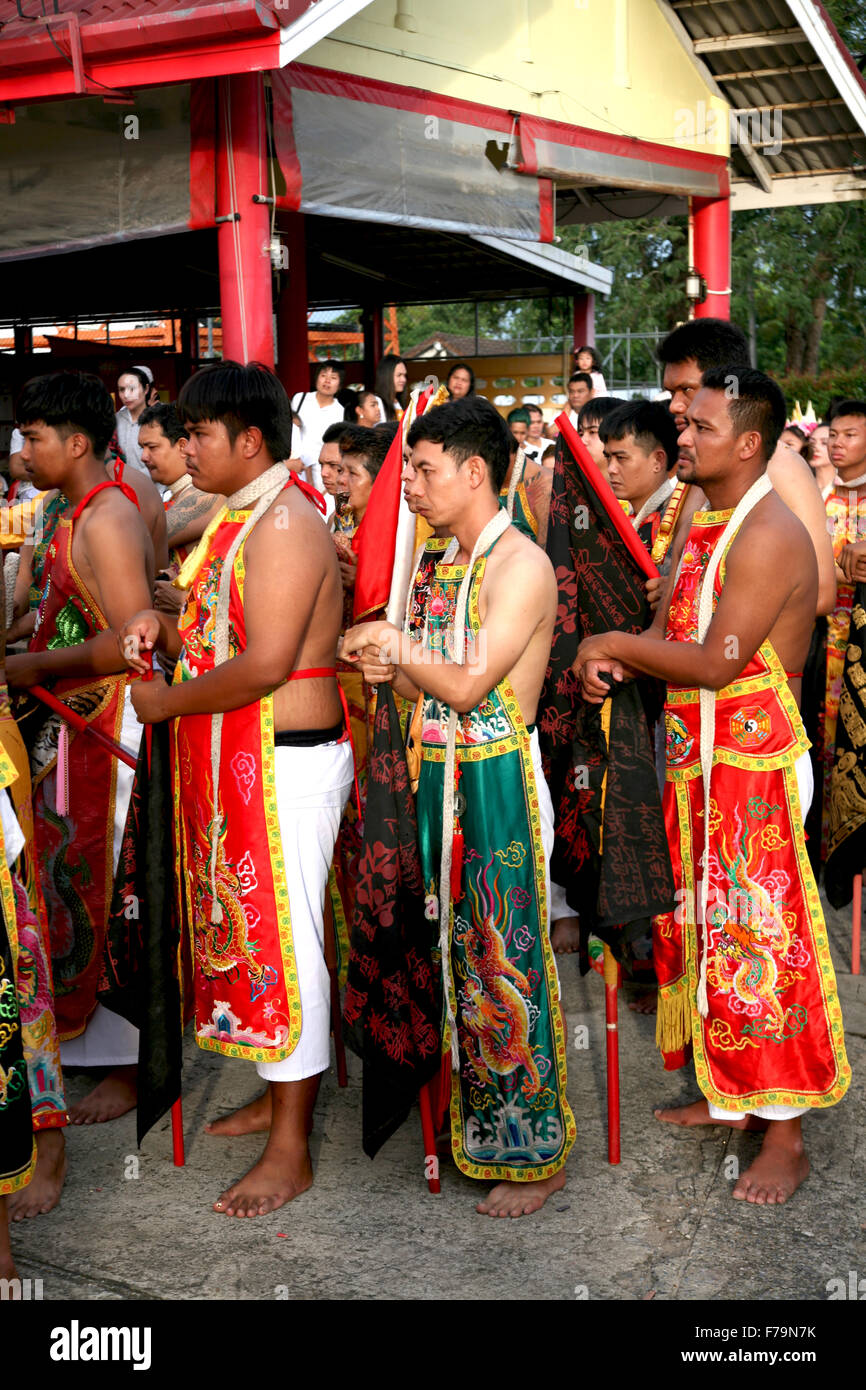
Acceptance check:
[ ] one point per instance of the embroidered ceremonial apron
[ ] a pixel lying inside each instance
(522, 515)
(247, 997)
(773, 1035)
(846, 520)
(35, 986)
(74, 853)
(17, 1142)
(510, 1118)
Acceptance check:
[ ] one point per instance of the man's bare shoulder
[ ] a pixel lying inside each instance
(788, 470)
(773, 531)
(291, 530)
(521, 567)
(110, 509)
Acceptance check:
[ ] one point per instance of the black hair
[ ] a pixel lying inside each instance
(841, 407)
(165, 415)
(334, 433)
(370, 445)
(465, 427)
(462, 367)
(335, 366)
(519, 415)
(70, 402)
(649, 423)
(354, 399)
(709, 342)
(385, 384)
(581, 376)
(596, 360)
(240, 397)
(596, 410)
(533, 407)
(146, 381)
(757, 403)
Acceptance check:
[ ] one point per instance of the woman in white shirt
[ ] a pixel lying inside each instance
(134, 386)
(313, 412)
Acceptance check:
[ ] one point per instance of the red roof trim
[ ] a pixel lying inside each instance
(202, 41)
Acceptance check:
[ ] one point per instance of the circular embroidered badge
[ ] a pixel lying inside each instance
(750, 726)
(679, 742)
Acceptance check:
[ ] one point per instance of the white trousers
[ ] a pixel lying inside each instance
(313, 786)
(805, 787)
(109, 1040)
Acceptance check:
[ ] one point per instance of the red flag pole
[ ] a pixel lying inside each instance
(81, 725)
(617, 517)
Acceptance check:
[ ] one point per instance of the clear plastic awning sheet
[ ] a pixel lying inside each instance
(381, 153)
(78, 173)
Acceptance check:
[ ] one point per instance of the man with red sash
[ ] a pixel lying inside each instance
(262, 763)
(97, 566)
(744, 967)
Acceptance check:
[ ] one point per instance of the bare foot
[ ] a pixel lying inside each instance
(520, 1198)
(249, 1119)
(114, 1096)
(778, 1170)
(277, 1178)
(698, 1113)
(565, 938)
(647, 1003)
(43, 1191)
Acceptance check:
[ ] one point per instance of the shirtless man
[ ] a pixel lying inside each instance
(767, 1040)
(187, 511)
(687, 352)
(481, 712)
(98, 569)
(260, 807)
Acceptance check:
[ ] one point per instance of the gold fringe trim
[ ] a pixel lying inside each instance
(674, 1018)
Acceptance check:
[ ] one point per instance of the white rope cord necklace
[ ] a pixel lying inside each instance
(852, 482)
(661, 494)
(491, 533)
(517, 473)
(756, 492)
(259, 494)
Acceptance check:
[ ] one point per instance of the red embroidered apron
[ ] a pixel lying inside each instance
(75, 852)
(247, 996)
(773, 1035)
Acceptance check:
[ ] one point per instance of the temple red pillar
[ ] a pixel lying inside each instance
(293, 353)
(584, 320)
(243, 227)
(712, 247)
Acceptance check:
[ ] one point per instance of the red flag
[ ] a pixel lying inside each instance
(618, 519)
(375, 540)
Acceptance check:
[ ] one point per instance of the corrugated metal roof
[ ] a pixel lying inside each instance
(781, 88)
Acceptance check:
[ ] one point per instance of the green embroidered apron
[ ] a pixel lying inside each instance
(510, 1118)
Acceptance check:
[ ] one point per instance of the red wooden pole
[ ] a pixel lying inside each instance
(611, 1013)
(856, 919)
(81, 725)
(712, 222)
(177, 1150)
(431, 1158)
(243, 226)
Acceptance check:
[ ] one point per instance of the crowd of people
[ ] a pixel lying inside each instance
(203, 566)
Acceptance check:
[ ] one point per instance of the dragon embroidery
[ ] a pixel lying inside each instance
(493, 1000)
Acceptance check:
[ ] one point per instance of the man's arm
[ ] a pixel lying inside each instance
(760, 579)
(795, 483)
(280, 575)
(513, 606)
(187, 519)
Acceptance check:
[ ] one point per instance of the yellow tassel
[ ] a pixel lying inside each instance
(193, 563)
(674, 1018)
